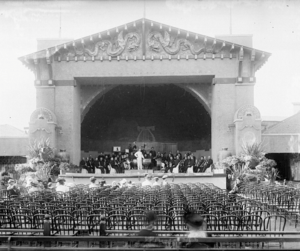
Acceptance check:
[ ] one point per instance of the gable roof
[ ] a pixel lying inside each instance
(210, 45)
(291, 125)
(9, 131)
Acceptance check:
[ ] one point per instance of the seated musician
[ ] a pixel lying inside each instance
(164, 160)
(186, 163)
(126, 164)
(101, 164)
(83, 166)
(131, 157)
(114, 165)
(153, 157)
(176, 164)
(209, 163)
(203, 165)
(170, 165)
(199, 163)
(107, 163)
(96, 166)
(179, 155)
(191, 163)
(90, 165)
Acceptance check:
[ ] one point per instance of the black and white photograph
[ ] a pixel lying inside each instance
(149, 125)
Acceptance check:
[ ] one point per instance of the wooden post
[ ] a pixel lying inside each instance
(47, 229)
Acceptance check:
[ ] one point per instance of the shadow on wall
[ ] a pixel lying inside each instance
(107, 145)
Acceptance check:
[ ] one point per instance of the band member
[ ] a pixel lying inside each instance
(152, 154)
(101, 165)
(83, 166)
(134, 147)
(139, 156)
(179, 155)
(107, 163)
(199, 163)
(126, 165)
(90, 165)
(208, 163)
(130, 148)
(115, 164)
(186, 163)
(203, 165)
(170, 165)
(131, 157)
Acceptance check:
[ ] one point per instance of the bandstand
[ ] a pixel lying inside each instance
(72, 76)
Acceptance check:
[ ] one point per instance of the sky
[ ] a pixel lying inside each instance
(275, 26)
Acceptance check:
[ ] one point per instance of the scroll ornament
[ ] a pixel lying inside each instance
(131, 40)
(173, 46)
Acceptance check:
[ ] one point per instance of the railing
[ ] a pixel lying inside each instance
(170, 243)
(258, 240)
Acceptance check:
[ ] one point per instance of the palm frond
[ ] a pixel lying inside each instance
(255, 149)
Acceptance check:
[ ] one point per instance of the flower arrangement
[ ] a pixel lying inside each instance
(41, 150)
(251, 165)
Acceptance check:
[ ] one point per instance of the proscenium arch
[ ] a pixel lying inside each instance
(202, 97)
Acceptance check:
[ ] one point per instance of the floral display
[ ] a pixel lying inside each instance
(251, 165)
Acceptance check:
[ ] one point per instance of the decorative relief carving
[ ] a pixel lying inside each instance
(41, 130)
(172, 46)
(42, 113)
(247, 111)
(249, 117)
(131, 41)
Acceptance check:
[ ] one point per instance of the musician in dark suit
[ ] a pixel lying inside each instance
(199, 164)
(186, 163)
(170, 165)
(153, 157)
(203, 165)
(106, 163)
(82, 163)
(208, 163)
(131, 157)
(179, 155)
(102, 165)
(90, 165)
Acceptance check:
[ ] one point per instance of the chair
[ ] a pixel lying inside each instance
(211, 222)
(38, 221)
(136, 221)
(117, 222)
(251, 223)
(80, 217)
(275, 223)
(22, 221)
(5, 223)
(64, 224)
(229, 223)
(93, 223)
(178, 223)
(163, 222)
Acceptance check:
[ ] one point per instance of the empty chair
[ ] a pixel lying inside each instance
(63, 224)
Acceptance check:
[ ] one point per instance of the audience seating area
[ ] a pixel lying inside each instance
(256, 211)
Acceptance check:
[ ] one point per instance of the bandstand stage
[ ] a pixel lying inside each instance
(220, 74)
(138, 177)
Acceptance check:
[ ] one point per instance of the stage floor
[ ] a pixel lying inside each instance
(138, 177)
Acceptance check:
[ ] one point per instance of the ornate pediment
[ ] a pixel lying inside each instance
(145, 40)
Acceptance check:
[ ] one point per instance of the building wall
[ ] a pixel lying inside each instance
(14, 146)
